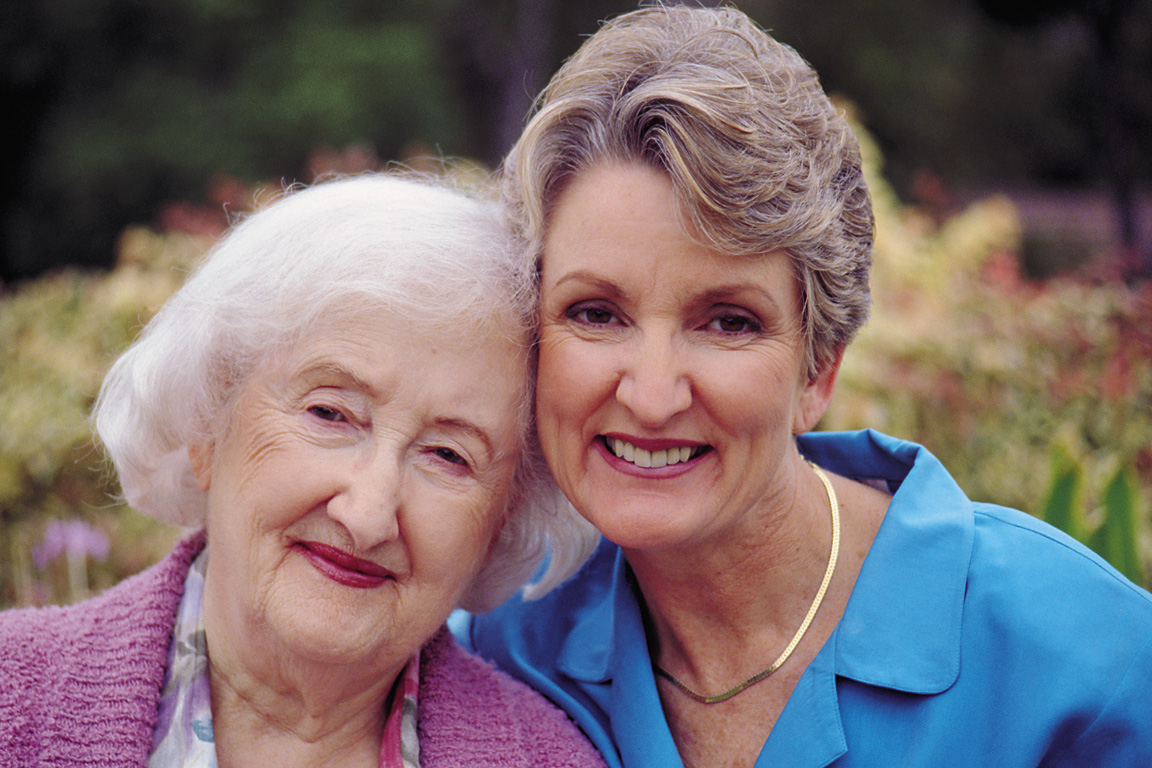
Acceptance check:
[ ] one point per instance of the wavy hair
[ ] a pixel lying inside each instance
(409, 245)
(759, 157)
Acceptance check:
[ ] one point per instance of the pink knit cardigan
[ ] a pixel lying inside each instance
(79, 686)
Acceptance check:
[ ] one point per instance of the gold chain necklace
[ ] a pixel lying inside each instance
(803, 626)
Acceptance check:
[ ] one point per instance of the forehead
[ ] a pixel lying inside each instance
(476, 372)
(623, 221)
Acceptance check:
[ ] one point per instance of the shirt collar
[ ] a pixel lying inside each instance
(901, 628)
(607, 644)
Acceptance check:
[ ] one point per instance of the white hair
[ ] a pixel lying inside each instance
(410, 245)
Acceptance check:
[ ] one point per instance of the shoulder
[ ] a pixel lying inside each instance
(147, 600)
(472, 714)
(1052, 582)
(533, 632)
(1055, 634)
(94, 668)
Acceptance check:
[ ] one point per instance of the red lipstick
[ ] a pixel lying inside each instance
(343, 568)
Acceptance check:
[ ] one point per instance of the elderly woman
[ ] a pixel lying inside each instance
(340, 398)
(702, 235)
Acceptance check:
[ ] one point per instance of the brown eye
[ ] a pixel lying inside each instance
(593, 315)
(732, 324)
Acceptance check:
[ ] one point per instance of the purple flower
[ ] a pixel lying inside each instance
(76, 537)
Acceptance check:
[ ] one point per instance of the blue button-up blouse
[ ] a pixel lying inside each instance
(975, 636)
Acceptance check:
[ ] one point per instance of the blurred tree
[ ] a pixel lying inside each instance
(121, 105)
(124, 104)
(501, 54)
(1120, 34)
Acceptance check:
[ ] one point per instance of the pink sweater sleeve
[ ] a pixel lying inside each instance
(80, 685)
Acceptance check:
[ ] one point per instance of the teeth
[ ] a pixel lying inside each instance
(649, 459)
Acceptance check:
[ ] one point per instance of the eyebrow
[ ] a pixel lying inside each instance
(718, 294)
(343, 376)
(584, 276)
(470, 428)
(724, 293)
(347, 378)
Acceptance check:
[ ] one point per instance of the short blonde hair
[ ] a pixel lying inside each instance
(760, 158)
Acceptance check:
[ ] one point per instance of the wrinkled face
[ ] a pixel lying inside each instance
(672, 377)
(357, 488)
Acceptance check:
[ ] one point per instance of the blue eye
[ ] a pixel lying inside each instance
(450, 456)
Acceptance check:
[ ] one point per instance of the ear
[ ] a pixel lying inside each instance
(816, 395)
(200, 455)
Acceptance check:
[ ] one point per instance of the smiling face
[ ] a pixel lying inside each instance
(672, 377)
(357, 489)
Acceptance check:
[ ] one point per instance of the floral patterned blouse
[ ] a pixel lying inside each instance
(183, 736)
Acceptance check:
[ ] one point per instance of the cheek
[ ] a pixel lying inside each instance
(553, 381)
(449, 548)
(750, 395)
(574, 376)
(276, 485)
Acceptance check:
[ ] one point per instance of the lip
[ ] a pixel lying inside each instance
(342, 567)
(653, 444)
(651, 473)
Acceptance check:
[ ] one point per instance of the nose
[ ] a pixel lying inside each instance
(368, 504)
(654, 384)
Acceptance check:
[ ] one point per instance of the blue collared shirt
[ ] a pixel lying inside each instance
(975, 636)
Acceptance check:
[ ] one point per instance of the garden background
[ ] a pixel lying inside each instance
(1006, 145)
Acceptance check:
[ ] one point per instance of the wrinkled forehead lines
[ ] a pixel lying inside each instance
(568, 256)
(378, 357)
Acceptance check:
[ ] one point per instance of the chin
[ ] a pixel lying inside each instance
(328, 632)
(642, 533)
(331, 644)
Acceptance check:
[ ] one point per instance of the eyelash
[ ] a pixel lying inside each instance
(580, 313)
(451, 457)
(750, 325)
(327, 413)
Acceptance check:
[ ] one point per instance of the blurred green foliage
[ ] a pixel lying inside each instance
(1117, 533)
(117, 107)
(997, 374)
(58, 335)
(1036, 395)
(127, 104)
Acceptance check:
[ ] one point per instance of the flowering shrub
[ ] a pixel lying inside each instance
(995, 375)
(59, 334)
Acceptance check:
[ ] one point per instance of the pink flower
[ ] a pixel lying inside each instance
(75, 537)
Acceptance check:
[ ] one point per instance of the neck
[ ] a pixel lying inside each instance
(720, 612)
(270, 706)
(297, 722)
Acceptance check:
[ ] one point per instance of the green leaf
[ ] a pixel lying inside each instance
(1063, 508)
(1117, 538)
